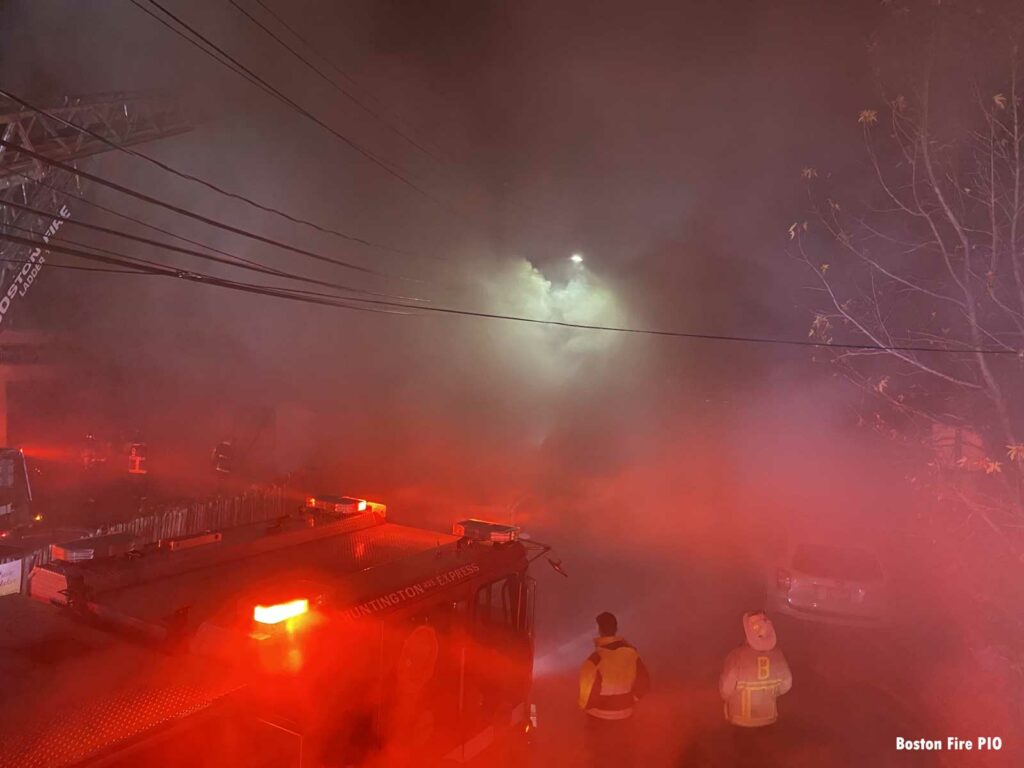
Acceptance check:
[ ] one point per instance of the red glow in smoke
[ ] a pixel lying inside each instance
(51, 452)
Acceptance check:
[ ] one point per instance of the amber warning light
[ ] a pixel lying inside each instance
(275, 614)
(343, 505)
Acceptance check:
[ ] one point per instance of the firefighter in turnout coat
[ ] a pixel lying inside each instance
(754, 676)
(612, 680)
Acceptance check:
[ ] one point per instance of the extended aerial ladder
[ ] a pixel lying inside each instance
(123, 118)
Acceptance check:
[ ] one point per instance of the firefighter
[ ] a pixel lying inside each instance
(754, 675)
(612, 680)
(90, 454)
(137, 457)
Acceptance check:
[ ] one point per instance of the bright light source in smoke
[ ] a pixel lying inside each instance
(574, 294)
(275, 614)
(576, 259)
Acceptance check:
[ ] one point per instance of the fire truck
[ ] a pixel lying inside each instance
(320, 639)
(15, 491)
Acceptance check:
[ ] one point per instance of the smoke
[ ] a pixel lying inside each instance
(657, 252)
(664, 147)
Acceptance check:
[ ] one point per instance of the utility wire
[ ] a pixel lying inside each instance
(158, 265)
(341, 73)
(143, 266)
(231, 260)
(197, 179)
(45, 244)
(76, 267)
(696, 336)
(55, 239)
(199, 45)
(228, 258)
(327, 79)
(442, 161)
(123, 260)
(133, 219)
(436, 154)
(294, 105)
(146, 224)
(125, 216)
(183, 211)
(182, 238)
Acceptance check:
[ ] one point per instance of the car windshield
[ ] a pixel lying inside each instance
(837, 563)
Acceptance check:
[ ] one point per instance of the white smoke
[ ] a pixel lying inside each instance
(572, 294)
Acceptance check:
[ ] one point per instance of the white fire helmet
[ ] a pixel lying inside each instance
(759, 631)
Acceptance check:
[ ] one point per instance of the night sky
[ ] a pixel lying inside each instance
(662, 140)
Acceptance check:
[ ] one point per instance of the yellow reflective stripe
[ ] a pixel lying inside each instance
(746, 697)
(588, 676)
(760, 684)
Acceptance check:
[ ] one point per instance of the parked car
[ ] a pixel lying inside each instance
(829, 583)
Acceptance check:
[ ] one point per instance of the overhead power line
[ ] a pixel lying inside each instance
(352, 97)
(163, 22)
(184, 211)
(75, 267)
(198, 179)
(387, 167)
(45, 244)
(142, 266)
(135, 220)
(436, 154)
(338, 70)
(230, 259)
(127, 261)
(140, 263)
(127, 217)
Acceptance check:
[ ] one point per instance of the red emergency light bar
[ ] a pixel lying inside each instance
(275, 614)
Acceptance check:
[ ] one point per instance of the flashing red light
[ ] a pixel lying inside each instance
(275, 614)
(362, 505)
(311, 501)
(783, 580)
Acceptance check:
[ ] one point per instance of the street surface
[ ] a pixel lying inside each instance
(846, 707)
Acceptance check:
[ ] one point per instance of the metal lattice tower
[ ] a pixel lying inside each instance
(122, 118)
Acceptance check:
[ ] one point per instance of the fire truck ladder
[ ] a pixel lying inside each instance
(123, 118)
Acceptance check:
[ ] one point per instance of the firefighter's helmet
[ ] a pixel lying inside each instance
(759, 630)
